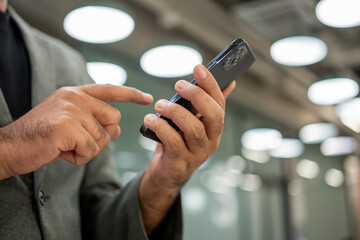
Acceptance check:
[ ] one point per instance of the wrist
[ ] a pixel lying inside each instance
(155, 201)
(156, 184)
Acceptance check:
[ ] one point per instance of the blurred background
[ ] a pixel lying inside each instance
(288, 165)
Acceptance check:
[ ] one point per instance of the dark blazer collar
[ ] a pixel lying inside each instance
(43, 79)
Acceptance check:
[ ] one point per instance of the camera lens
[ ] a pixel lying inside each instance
(228, 62)
(241, 51)
(235, 61)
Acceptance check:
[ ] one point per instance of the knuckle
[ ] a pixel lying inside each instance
(69, 107)
(63, 89)
(198, 135)
(101, 133)
(92, 147)
(199, 142)
(219, 117)
(93, 86)
(68, 93)
(173, 144)
(198, 130)
(101, 143)
(107, 140)
(64, 122)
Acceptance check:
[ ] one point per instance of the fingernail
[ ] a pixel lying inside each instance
(200, 71)
(149, 118)
(183, 84)
(161, 104)
(148, 97)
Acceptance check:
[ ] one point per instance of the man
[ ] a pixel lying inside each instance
(45, 126)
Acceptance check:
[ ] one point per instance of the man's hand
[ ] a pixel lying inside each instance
(182, 153)
(74, 123)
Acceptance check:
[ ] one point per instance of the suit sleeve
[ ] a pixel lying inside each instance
(111, 212)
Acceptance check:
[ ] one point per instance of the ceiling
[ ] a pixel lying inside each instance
(276, 92)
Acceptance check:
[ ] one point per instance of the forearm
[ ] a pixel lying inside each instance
(155, 201)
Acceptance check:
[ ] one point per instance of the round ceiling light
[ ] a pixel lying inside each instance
(106, 73)
(298, 51)
(261, 139)
(338, 146)
(332, 91)
(170, 61)
(96, 24)
(318, 132)
(251, 183)
(236, 164)
(307, 169)
(334, 177)
(349, 114)
(256, 156)
(295, 187)
(338, 13)
(194, 199)
(289, 148)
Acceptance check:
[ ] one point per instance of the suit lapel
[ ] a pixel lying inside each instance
(42, 73)
(5, 116)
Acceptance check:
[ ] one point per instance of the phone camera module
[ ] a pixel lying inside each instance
(235, 58)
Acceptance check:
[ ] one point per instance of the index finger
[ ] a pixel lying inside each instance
(226, 92)
(208, 83)
(112, 93)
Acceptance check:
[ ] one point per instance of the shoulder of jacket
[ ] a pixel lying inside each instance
(68, 62)
(60, 48)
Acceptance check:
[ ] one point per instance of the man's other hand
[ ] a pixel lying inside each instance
(74, 123)
(181, 153)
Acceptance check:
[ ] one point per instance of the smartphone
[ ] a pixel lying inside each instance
(225, 67)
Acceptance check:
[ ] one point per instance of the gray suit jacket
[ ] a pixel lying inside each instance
(70, 202)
